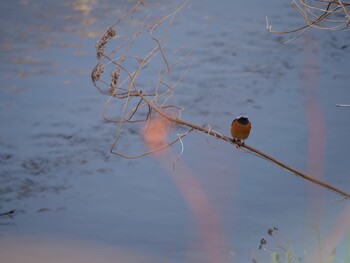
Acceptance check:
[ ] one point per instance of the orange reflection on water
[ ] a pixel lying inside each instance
(206, 219)
(155, 133)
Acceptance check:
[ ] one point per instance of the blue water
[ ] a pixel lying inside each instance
(75, 201)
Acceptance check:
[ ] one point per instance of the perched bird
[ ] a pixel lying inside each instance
(240, 128)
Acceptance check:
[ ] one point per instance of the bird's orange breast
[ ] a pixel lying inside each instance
(240, 131)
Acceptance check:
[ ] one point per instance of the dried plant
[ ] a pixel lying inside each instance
(141, 87)
(279, 248)
(319, 14)
(281, 251)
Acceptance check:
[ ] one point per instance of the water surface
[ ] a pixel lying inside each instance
(76, 202)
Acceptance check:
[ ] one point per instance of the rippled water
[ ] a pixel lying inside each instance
(75, 202)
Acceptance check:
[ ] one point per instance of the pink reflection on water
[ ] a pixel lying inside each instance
(17, 249)
(203, 212)
(206, 219)
(315, 124)
(316, 148)
(331, 244)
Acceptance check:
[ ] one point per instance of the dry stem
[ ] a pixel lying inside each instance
(139, 106)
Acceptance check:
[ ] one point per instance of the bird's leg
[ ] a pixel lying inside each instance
(233, 140)
(239, 143)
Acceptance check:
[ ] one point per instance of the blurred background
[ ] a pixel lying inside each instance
(76, 202)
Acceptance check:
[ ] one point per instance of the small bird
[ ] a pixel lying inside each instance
(240, 128)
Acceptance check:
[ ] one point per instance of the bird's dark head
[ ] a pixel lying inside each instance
(242, 119)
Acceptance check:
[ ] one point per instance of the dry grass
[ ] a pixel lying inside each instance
(318, 14)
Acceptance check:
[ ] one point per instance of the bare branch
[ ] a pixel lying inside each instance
(150, 105)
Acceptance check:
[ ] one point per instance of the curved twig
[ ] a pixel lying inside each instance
(327, 15)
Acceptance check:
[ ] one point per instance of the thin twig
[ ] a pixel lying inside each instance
(327, 15)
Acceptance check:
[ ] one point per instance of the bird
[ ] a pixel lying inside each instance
(240, 128)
